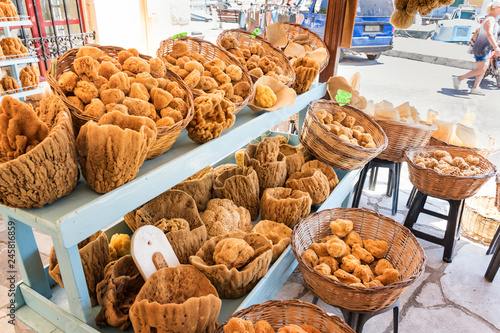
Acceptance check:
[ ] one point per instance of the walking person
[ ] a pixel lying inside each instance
(485, 43)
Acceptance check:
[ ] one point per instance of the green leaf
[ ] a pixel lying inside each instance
(255, 32)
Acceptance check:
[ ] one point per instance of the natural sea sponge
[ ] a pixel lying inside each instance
(161, 98)
(306, 70)
(359, 252)
(353, 238)
(29, 77)
(323, 269)
(137, 107)
(199, 187)
(9, 84)
(86, 91)
(136, 65)
(345, 277)
(222, 216)
(341, 227)
(238, 325)
(331, 262)
(138, 90)
(241, 185)
(76, 102)
(117, 291)
(333, 180)
(267, 150)
(112, 150)
(270, 174)
(67, 81)
(233, 253)
(294, 158)
(242, 89)
(25, 181)
(382, 266)
(96, 108)
(110, 96)
(349, 263)
(337, 248)
(89, 51)
(169, 205)
(313, 182)
(207, 83)
(120, 81)
(389, 276)
(86, 66)
(176, 299)
(285, 205)
(321, 249)
(310, 257)
(364, 273)
(278, 233)
(157, 68)
(12, 46)
(121, 243)
(234, 283)
(94, 254)
(377, 248)
(147, 80)
(20, 129)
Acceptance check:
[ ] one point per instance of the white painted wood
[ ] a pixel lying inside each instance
(146, 242)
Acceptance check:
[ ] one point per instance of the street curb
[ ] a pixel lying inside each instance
(464, 64)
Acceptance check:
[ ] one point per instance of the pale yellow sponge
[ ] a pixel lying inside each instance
(121, 243)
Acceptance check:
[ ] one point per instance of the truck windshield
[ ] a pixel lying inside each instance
(374, 8)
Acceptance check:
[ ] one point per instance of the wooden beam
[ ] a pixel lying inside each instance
(334, 24)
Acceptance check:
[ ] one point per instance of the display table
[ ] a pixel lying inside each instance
(75, 217)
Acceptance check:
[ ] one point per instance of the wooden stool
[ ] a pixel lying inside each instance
(454, 218)
(392, 184)
(356, 320)
(495, 260)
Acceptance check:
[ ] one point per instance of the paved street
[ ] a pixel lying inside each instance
(449, 297)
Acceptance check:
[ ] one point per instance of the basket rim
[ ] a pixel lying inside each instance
(414, 150)
(286, 304)
(358, 112)
(393, 122)
(265, 42)
(476, 210)
(402, 283)
(489, 149)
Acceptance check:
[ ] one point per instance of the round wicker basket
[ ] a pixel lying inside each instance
(328, 148)
(482, 151)
(448, 187)
(245, 39)
(402, 136)
(476, 224)
(315, 41)
(209, 51)
(283, 313)
(165, 136)
(405, 253)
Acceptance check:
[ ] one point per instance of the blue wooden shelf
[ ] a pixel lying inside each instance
(83, 212)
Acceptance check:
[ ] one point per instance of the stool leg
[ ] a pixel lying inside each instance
(350, 318)
(493, 266)
(373, 178)
(411, 197)
(315, 300)
(395, 318)
(452, 229)
(395, 188)
(416, 206)
(359, 186)
(494, 242)
(389, 183)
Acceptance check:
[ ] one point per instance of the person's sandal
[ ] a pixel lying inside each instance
(477, 91)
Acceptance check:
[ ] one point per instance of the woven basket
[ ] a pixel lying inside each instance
(476, 225)
(245, 39)
(282, 313)
(448, 187)
(482, 151)
(405, 253)
(328, 148)
(402, 136)
(165, 136)
(209, 51)
(315, 41)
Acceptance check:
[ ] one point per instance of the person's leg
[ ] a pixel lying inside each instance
(478, 70)
(481, 67)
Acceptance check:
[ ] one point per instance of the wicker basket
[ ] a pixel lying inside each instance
(331, 150)
(282, 313)
(482, 151)
(245, 39)
(209, 51)
(165, 136)
(476, 225)
(315, 41)
(402, 136)
(448, 187)
(405, 253)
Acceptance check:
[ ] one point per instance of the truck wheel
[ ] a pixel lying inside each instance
(373, 56)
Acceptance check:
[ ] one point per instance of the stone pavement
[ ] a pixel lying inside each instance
(431, 51)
